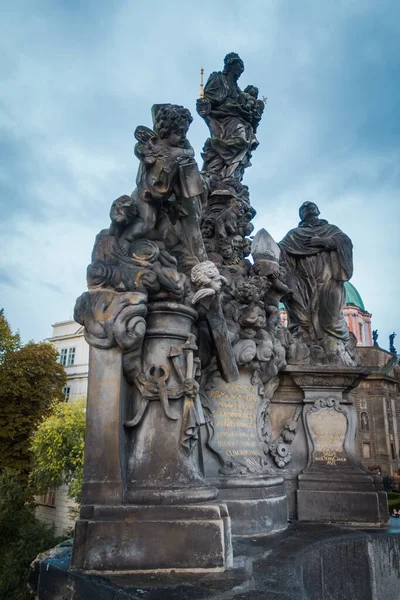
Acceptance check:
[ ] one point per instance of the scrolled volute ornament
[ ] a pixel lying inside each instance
(112, 319)
(280, 448)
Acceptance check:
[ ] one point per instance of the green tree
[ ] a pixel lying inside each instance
(22, 536)
(9, 341)
(31, 380)
(57, 449)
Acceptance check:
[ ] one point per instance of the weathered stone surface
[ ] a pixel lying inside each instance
(132, 464)
(103, 478)
(233, 440)
(306, 562)
(235, 457)
(135, 538)
(237, 432)
(318, 259)
(232, 116)
(188, 351)
(325, 480)
(334, 487)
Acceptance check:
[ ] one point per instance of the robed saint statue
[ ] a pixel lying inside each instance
(318, 258)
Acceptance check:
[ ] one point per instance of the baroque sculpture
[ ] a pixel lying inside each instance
(232, 116)
(318, 259)
(140, 320)
(188, 349)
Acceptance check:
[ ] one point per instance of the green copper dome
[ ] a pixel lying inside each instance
(352, 296)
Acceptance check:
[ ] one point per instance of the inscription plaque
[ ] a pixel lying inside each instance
(328, 429)
(233, 433)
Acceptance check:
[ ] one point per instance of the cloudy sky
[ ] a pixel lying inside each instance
(77, 77)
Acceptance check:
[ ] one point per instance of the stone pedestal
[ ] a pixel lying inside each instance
(257, 506)
(234, 458)
(145, 504)
(334, 487)
(152, 538)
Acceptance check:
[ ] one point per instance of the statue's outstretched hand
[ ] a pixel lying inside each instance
(203, 107)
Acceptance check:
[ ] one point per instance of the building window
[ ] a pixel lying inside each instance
(366, 450)
(360, 326)
(48, 499)
(363, 404)
(67, 392)
(364, 421)
(63, 356)
(393, 451)
(71, 357)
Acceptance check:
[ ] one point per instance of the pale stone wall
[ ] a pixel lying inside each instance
(66, 335)
(57, 515)
(377, 401)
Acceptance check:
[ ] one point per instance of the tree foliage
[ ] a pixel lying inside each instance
(57, 449)
(31, 379)
(9, 341)
(22, 536)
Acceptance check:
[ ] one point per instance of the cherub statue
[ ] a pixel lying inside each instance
(254, 105)
(167, 172)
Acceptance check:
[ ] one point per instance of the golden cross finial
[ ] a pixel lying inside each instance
(264, 99)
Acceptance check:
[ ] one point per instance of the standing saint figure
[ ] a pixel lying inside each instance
(232, 116)
(318, 259)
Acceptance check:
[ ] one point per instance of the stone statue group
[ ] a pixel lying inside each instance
(178, 218)
(190, 300)
(183, 235)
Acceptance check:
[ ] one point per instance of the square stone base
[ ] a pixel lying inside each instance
(152, 538)
(257, 506)
(342, 506)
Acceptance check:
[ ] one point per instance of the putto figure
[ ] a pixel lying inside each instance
(232, 116)
(154, 238)
(167, 167)
(318, 258)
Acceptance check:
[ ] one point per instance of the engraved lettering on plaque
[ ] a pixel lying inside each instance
(328, 430)
(234, 429)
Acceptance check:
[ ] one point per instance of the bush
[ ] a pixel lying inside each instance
(393, 501)
(22, 536)
(393, 496)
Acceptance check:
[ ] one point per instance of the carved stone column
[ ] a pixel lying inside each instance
(145, 503)
(163, 452)
(334, 487)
